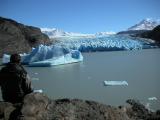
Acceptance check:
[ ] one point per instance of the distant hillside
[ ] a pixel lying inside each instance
(152, 34)
(132, 32)
(147, 28)
(141, 27)
(18, 38)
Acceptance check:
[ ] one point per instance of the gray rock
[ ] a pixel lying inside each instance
(6, 109)
(37, 106)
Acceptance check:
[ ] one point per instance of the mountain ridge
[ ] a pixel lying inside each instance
(19, 38)
(145, 24)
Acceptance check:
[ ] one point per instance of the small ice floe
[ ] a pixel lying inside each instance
(152, 98)
(110, 83)
(35, 79)
(38, 91)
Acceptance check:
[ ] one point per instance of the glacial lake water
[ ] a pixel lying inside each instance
(84, 80)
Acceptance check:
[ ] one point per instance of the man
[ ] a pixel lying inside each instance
(14, 81)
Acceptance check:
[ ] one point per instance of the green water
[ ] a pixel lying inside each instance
(84, 80)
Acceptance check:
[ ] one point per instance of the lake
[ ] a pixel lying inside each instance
(84, 80)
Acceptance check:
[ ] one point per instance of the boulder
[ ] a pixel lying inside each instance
(6, 109)
(37, 106)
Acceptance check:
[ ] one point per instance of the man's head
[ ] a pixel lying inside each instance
(15, 58)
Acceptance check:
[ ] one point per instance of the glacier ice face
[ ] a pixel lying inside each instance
(43, 56)
(103, 43)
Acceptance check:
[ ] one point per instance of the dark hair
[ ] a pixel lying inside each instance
(15, 58)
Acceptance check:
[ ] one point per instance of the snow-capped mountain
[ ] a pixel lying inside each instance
(146, 24)
(53, 32)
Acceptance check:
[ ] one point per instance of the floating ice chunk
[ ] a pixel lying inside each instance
(35, 79)
(152, 98)
(110, 83)
(39, 91)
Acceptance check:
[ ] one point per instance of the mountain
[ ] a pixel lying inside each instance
(131, 32)
(146, 24)
(19, 38)
(141, 27)
(151, 34)
(53, 32)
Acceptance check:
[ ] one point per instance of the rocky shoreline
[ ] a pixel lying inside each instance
(37, 106)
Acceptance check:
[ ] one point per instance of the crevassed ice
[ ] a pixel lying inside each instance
(104, 43)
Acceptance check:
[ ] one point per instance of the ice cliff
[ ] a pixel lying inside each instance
(103, 43)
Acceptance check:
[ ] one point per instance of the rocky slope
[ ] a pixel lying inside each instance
(19, 38)
(152, 34)
(37, 106)
(131, 32)
(147, 28)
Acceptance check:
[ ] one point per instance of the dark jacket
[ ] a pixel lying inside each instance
(14, 82)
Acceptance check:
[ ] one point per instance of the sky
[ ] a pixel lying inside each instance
(82, 16)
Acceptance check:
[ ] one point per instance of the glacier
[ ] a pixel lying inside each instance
(44, 56)
(103, 43)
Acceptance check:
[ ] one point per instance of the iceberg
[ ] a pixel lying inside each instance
(44, 56)
(111, 83)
